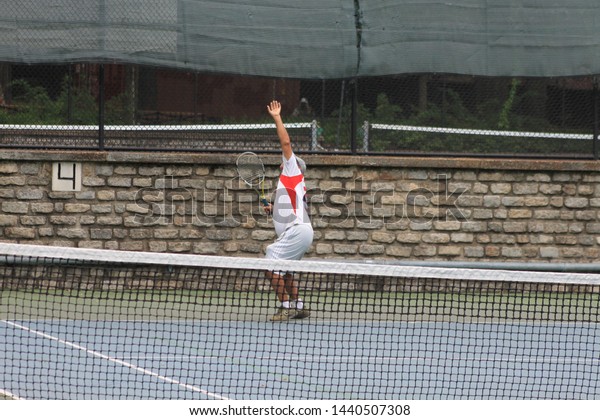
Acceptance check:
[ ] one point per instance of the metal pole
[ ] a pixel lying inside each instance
(323, 102)
(340, 115)
(103, 33)
(354, 117)
(366, 137)
(596, 110)
(70, 95)
(101, 107)
(314, 135)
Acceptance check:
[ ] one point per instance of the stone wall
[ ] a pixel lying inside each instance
(362, 207)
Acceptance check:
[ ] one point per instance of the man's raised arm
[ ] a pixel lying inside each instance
(274, 109)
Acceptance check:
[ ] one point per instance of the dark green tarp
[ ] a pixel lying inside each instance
(311, 38)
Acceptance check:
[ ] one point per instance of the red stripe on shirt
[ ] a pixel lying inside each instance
(290, 183)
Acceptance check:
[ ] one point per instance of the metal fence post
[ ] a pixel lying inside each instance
(101, 107)
(70, 95)
(314, 141)
(596, 110)
(366, 137)
(354, 116)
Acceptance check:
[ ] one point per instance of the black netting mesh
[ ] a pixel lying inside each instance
(159, 108)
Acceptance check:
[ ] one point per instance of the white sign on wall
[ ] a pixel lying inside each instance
(66, 176)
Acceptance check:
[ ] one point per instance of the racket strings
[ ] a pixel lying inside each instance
(252, 174)
(250, 168)
(252, 171)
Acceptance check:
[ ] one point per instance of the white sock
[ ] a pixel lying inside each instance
(285, 304)
(299, 304)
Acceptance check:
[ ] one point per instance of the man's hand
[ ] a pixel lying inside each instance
(268, 209)
(274, 108)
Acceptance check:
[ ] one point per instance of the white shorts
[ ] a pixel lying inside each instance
(292, 244)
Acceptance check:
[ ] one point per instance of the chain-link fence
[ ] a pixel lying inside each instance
(114, 106)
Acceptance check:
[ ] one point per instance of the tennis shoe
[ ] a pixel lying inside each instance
(283, 314)
(301, 313)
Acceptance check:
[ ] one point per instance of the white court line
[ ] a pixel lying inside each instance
(117, 361)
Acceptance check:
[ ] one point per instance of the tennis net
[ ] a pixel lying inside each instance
(99, 324)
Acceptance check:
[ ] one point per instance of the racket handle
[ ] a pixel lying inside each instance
(264, 201)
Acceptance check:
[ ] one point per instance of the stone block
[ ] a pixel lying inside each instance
(576, 202)
(19, 232)
(368, 249)
(8, 220)
(345, 249)
(398, 251)
(549, 252)
(15, 207)
(8, 168)
(383, 237)
(72, 233)
(119, 181)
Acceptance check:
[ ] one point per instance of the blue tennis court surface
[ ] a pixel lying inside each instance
(311, 359)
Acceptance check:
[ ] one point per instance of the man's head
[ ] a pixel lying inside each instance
(301, 165)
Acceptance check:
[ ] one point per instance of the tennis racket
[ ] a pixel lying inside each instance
(252, 171)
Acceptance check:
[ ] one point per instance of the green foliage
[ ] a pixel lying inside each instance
(82, 108)
(32, 104)
(504, 123)
(73, 105)
(386, 112)
(452, 113)
(120, 109)
(336, 128)
(519, 110)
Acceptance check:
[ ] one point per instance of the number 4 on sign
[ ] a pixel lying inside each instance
(66, 176)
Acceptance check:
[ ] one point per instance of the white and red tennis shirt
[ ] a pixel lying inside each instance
(290, 207)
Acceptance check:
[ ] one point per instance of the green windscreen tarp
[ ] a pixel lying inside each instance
(317, 39)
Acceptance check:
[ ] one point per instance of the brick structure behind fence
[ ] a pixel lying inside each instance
(362, 207)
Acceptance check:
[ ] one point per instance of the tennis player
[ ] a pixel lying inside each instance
(292, 223)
